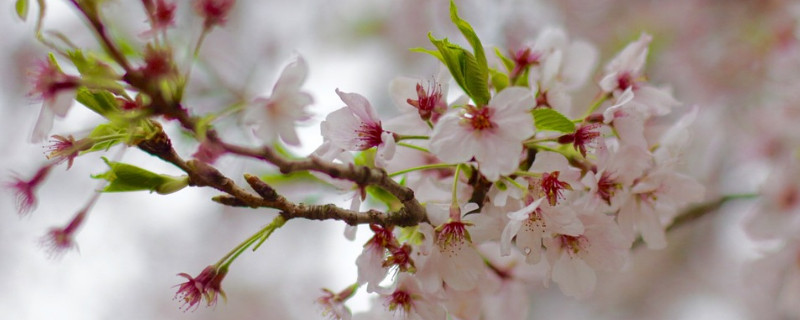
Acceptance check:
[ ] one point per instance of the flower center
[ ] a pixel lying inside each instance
(625, 81)
(553, 188)
(606, 187)
(400, 299)
(369, 135)
(429, 103)
(574, 245)
(451, 237)
(478, 119)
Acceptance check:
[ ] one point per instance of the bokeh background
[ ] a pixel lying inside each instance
(733, 59)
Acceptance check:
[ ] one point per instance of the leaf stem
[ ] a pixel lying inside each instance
(425, 167)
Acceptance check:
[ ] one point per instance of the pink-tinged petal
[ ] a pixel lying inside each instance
(43, 125)
(292, 77)
(513, 99)
(61, 102)
(651, 228)
(370, 268)
(609, 82)
(401, 89)
(659, 101)
(579, 61)
(340, 127)
(630, 129)
(620, 103)
(509, 232)
(463, 269)
(449, 142)
(548, 161)
(385, 150)
(529, 242)
(632, 57)
(550, 39)
(359, 106)
(563, 220)
(574, 276)
(551, 68)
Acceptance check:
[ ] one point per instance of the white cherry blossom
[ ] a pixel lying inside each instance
(485, 132)
(277, 115)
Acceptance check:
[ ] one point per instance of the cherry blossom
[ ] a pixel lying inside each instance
(57, 90)
(409, 302)
(575, 260)
(277, 115)
(207, 285)
(484, 132)
(357, 127)
(453, 260)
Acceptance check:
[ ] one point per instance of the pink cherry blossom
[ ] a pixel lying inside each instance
(409, 302)
(485, 132)
(207, 285)
(57, 90)
(357, 127)
(453, 260)
(213, 12)
(59, 240)
(575, 259)
(654, 201)
(332, 303)
(624, 74)
(278, 115)
(370, 262)
(25, 189)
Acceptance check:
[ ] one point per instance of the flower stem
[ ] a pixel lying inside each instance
(259, 236)
(425, 167)
(413, 147)
(454, 202)
(402, 137)
(596, 104)
(515, 183)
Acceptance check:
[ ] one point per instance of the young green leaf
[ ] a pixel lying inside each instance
(22, 9)
(101, 102)
(472, 38)
(391, 202)
(547, 119)
(506, 61)
(499, 79)
(123, 177)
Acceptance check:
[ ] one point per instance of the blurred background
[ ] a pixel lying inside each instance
(736, 60)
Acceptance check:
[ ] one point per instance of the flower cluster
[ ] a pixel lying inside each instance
(565, 195)
(516, 174)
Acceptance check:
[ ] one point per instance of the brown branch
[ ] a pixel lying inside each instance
(202, 174)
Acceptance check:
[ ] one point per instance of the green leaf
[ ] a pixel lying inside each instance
(522, 80)
(550, 120)
(434, 53)
(106, 136)
(464, 68)
(22, 9)
(499, 79)
(297, 176)
(472, 38)
(101, 102)
(124, 177)
(365, 158)
(508, 63)
(391, 202)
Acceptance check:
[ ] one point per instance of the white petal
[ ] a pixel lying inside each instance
(43, 125)
(292, 77)
(359, 106)
(574, 276)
